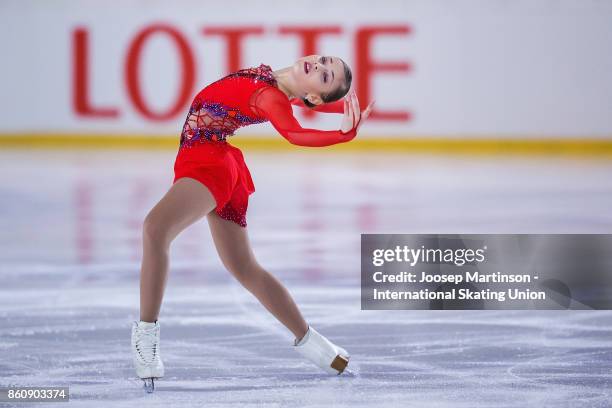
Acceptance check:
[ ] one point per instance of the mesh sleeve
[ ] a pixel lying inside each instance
(273, 104)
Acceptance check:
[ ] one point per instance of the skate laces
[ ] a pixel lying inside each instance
(146, 344)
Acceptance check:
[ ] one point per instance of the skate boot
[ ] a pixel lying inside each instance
(145, 352)
(322, 352)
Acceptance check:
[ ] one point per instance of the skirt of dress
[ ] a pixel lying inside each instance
(220, 167)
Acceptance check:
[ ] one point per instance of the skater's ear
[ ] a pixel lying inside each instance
(312, 100)
(307, 103)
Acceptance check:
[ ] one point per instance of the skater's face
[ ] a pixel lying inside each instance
(319, 76)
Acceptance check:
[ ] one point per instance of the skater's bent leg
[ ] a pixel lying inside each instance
(186, 201)
(235, 251)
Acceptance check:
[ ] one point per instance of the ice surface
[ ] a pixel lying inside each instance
(69, 265)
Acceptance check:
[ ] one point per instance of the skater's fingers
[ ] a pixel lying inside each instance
(348, 114)
(367, 111)
(355, 108)
(351, 106)
(348, 120)
(370, 106)
(348, 106)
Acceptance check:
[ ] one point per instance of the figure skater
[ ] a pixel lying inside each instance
(211, 179)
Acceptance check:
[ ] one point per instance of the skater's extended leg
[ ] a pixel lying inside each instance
(235, 251)
(186, 201)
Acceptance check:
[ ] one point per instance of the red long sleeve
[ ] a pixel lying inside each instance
(331, 107)
(273, 104)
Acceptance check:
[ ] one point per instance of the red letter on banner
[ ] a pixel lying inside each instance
(234, 42)
(309, 37)
(80, 78)
(132, 70)
(366, 67)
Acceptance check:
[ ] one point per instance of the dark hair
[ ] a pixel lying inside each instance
(340, 91)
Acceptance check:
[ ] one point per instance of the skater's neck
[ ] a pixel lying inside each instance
(285, 82)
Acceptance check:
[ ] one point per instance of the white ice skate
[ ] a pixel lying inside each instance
(322, 352)
(146, 353)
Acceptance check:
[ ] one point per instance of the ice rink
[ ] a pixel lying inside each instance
(70, 257)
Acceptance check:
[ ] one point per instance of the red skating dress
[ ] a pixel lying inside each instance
(242, 98)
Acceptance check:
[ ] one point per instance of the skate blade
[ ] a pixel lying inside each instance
(149, 384)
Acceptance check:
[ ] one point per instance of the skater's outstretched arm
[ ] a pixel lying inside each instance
(273, 104)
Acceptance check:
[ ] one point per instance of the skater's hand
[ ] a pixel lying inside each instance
(353, 117)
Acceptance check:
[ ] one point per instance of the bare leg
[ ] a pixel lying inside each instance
(186, 201)
(235, 251)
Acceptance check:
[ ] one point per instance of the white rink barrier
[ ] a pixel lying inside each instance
(482, 68)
